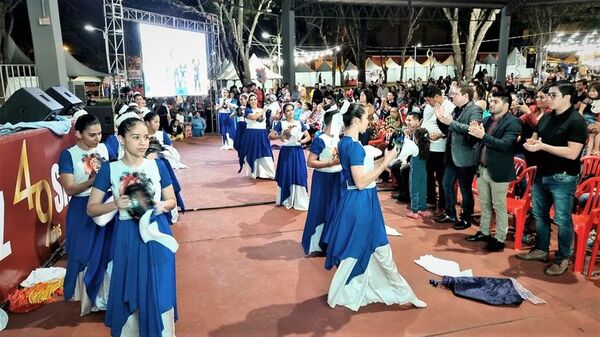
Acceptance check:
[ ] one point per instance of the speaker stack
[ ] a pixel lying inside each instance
(68, 100)
(29, 105)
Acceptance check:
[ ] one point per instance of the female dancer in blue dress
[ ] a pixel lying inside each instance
(357, 242)
(256, 147)
(153, 123)
(238, 140)
(291, 176)
(326, 188)
(226, 124)
(142, 299)
(78, 166)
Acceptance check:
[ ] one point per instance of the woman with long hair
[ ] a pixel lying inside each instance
(326, 187)
(85, 241)
(356, 242)
(142, 299)
(291, 175)
(256, 146)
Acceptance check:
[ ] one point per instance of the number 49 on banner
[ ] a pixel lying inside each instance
(5, 249)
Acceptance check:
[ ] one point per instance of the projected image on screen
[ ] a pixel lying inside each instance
(174, 62)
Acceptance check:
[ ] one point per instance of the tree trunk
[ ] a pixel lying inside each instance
(452, 16)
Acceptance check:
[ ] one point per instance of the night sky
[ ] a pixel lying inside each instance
(88, 47)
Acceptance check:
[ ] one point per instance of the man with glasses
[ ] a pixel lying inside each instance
(460, 160)
(558, 142)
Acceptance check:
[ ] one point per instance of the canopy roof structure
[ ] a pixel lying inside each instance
(449, 61)
(325, 66)
(350, 67)
(490, 59)
(370, 65)
(391, 64)
(303, 68)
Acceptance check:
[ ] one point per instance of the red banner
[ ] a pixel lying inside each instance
(32, 203)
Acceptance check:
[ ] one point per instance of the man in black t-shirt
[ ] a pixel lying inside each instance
(558, 142)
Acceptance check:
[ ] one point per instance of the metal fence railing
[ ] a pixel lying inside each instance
(16, 76)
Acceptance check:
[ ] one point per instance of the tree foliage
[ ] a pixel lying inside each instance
(479, 22)
(238, 22)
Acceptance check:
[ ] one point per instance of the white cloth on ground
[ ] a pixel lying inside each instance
(442, 267)
(43, 275)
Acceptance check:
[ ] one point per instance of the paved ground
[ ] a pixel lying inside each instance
(241, 272)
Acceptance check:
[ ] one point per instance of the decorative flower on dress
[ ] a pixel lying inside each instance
(92, 162)
(131, 178)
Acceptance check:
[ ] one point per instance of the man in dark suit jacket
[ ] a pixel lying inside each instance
(460, 160)
(497, 136)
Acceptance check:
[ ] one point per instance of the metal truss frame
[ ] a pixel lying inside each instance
(114, 16)
(115, 34)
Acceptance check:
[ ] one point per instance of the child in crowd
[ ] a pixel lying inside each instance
(418, 175)
(176, 130)
(590, 109)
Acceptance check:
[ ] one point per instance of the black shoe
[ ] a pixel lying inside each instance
(445, 219)
(462, 225)
(494, 246)
(479, 236)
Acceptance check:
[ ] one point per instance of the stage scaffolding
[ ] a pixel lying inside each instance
(114, 16)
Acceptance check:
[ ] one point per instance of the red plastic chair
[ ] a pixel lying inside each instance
(583, 219)
(590, 166)
(520, 165)
(596, 220)
(519, 208)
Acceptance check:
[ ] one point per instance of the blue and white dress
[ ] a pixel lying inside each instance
(226, 124)
(325, 194)
(142, 299)
(256, 149)
(291, 175)
(357, 243)
(86, 243)
(238, 140)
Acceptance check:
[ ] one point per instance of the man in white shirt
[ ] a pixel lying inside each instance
(435, 164)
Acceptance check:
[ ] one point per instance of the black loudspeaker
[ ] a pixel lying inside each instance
(531, 58)
(105, 114)
(63, 96)
(28, 105)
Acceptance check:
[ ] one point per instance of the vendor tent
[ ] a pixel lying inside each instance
(412, 69)
(393, 72)
(305, 75)
(516, 65)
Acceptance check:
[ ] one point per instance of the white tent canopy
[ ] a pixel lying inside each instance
(371, 66)
(393, 72)
(305, 75)
(516, 64)
(413, 69)
(490, 59)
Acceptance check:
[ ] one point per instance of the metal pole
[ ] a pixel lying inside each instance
(503, 45)
(105, 36)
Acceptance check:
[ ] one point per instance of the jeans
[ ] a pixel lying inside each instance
(557, 190)
(418, 184)
(464, 175)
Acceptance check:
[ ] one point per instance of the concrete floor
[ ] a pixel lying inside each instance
(241, 272)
